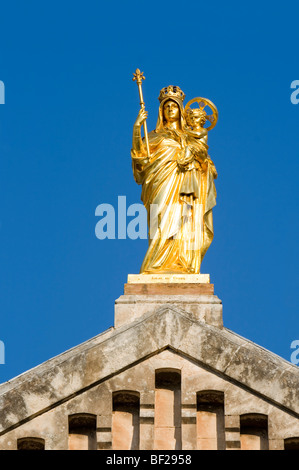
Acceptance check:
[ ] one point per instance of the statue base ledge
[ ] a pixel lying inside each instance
(169, 289)
(168, 278)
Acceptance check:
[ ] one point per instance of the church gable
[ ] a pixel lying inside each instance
(167, 401)
(162, 380)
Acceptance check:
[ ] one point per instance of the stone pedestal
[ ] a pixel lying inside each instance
(147, 293)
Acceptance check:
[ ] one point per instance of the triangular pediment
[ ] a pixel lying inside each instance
(116, 350)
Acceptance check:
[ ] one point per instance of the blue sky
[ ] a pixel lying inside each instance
(65, 139)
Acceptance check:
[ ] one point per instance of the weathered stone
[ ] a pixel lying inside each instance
(163, 336)
(206, 308)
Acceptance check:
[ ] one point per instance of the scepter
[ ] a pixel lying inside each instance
(138, 77)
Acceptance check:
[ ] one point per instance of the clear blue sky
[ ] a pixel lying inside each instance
(65, 139)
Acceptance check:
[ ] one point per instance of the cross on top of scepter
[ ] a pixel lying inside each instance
(138, 76)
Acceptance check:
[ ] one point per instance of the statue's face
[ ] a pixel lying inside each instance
(171, 111)
(195, 119)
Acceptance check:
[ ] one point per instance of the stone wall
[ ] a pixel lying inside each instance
(168, 376)
(167, 402)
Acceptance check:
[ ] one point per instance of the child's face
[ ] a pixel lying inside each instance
(195, 119)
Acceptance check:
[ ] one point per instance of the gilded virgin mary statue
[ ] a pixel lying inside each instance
(177, 177)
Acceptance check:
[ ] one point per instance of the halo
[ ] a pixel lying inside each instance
(203, 102)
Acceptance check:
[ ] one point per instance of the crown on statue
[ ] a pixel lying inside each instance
(171, 92)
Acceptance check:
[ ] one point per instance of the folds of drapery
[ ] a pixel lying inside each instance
(179, 205)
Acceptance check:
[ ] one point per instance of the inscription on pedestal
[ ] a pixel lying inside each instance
(169, 278)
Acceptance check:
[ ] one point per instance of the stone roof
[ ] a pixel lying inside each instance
(218, 349)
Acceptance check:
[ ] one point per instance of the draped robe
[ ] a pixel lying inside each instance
(179, 201)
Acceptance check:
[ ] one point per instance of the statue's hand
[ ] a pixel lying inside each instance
(138, 145)
(142, 116)
(200, 154)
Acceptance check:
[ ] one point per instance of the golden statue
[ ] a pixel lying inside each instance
(177, 177)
